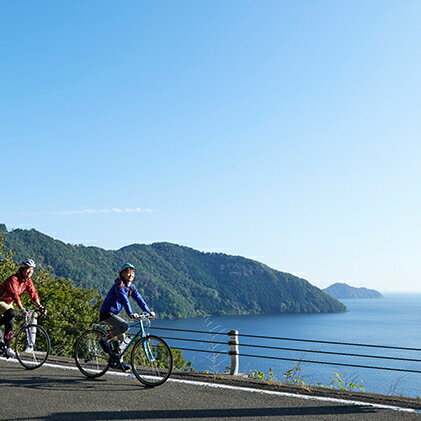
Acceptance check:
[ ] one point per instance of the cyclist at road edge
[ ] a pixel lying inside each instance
(116, 300)
(10, 291)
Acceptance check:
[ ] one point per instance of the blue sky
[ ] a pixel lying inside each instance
(283, 131)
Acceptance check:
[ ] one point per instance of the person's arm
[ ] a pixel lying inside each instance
(122, 294)
(139, 299)
(33, 295)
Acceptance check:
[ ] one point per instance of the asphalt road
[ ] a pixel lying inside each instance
(57, 394)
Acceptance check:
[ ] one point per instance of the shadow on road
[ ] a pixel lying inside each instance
(234, 413)
(69, 383)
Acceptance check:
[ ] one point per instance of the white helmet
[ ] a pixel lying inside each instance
(27, 263)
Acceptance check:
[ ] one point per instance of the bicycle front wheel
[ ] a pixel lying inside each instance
(91, 360)
(32, 346)
(151, 360)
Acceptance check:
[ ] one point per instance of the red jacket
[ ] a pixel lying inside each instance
(14, 286)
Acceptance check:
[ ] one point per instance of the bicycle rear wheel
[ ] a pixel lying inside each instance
(32, 346)
(91, 360)
(151, 360)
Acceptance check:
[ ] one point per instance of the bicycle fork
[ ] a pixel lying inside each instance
(31, 334)
(148, 351)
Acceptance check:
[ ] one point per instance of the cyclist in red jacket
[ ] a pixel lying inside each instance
(10, 291)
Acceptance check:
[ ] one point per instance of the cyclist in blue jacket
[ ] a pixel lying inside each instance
(116, 300)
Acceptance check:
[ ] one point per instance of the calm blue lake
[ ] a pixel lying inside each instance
(394, 321)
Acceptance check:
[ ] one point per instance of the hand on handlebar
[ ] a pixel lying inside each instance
(151, 315)
(23, 312)
(42, 310)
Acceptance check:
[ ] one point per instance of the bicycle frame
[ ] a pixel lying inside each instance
(136, 330)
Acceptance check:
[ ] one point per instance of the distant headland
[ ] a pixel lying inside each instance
(341, 290)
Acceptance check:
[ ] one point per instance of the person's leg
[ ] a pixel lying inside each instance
(3, 309)
(119, 326)
(2, 347)
(1, 331)
(7, 321)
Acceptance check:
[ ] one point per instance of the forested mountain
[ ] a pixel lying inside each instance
(177, 281)
(341, 290)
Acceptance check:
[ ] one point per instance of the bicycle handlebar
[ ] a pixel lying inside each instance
(143, 317)
(29, 315)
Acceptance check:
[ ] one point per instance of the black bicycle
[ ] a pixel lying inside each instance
(32, 343)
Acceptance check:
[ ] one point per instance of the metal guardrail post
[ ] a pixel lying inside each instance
(233, 342)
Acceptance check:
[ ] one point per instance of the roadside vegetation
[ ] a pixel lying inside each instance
(293, 376)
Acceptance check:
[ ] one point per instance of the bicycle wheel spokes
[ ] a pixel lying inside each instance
(91, 360)
(151, 360)
(32, 346)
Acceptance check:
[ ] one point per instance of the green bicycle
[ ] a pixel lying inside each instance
(151, 358)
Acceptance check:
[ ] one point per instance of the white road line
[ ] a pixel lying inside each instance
(244, 389)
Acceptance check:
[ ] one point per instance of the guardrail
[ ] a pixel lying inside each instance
(235, 345)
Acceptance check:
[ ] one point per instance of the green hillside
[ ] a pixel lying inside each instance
(177, 281)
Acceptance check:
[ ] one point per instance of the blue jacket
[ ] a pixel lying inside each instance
(118, 298)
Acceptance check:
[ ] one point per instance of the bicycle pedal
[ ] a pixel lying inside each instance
(114, 361)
